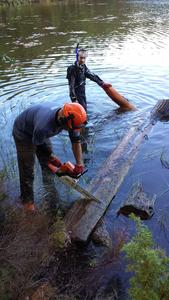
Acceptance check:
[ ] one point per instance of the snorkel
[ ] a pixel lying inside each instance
(77, 52)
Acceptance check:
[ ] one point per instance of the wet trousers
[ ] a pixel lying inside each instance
(81, 95)
(26, 153)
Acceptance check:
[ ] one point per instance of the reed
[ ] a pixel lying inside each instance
(10, 3)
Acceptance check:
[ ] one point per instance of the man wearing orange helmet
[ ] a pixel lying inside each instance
(32, 130)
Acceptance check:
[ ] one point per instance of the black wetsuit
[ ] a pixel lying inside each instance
(76, 75)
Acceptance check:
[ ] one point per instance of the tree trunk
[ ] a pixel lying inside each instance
(85, 214)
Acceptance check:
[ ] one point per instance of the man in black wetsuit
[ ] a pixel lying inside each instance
(77, 74)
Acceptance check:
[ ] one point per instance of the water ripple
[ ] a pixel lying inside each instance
(127, 46)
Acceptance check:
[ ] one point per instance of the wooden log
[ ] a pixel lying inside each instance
(118, 98)
(84, 215)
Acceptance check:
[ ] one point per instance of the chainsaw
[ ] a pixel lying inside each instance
(65, 169)
(64, 173)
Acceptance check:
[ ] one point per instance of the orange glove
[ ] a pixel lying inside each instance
(78, 169)
(67, 169)
(55, 161)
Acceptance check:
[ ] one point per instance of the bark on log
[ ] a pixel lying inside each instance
(85, 214)
(118, 98)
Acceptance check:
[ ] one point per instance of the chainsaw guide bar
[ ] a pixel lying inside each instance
(73, 183)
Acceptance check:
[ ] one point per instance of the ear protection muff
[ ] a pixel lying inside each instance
(64, 120)
(70, 118)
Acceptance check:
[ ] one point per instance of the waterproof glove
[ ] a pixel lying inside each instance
(55, 161)
(53, 168)
(78, 169)
(67, 169)
(106, 85)
(75, 172)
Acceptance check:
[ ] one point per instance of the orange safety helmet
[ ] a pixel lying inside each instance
(75, 115)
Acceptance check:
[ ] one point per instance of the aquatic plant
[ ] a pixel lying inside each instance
(6, 59)
(15, 2)
(59, 235)
(22, 2)
(149, 266)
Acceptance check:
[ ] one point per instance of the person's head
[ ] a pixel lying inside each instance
(82, 55)
(72, 116)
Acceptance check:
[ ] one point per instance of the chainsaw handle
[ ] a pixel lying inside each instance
(53, 168)
(60, 174)
(62, 171)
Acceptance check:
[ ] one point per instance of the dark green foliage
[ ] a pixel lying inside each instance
(149, 264)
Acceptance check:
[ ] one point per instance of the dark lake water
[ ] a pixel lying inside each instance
(128, 46)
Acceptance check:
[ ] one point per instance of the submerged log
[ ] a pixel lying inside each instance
(84, 215)
(139, 203)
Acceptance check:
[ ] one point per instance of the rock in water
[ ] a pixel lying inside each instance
(139, 203)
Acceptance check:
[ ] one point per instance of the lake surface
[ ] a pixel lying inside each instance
(128, 46)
